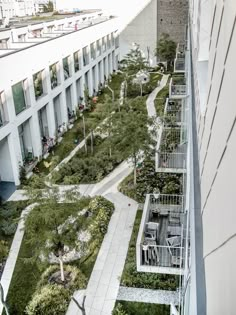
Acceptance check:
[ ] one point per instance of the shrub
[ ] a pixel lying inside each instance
(50, 300)
(77, 278)
(118, 310)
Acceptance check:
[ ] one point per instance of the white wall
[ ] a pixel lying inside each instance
(217, 149)
(143, 31)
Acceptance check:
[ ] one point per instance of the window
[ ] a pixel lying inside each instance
(4, 43)
(3, 110)
(22, 38)
(103, 44)
(66, 68)
(77, 61)
(53, 75)
(85, 56)
(108, 41)
(117, 44)
(38, 84)
(99, 51)
(18, 91)
(112, 39)
(93, 51)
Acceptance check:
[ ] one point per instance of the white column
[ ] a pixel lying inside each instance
(51, 119)
(63, 107)
(35, 135)
(15, 153)
(74, 96)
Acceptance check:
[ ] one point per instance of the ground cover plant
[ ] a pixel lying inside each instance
(132, 278)
(37, 286)
(124, 135)
(9, 216)
(73, 136)
(148, 181)
(137, 308)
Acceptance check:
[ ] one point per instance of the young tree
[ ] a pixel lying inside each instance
(134, 123)
(44, 224)
(166, 49)
(134, 62)
(48, 7)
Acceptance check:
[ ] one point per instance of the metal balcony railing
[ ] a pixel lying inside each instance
(159, 245)
(177, 90)
(162, 256)
(171, 151)
(179, 64)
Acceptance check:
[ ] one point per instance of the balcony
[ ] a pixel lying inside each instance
(178, 87)
(159, 245)
(173, 111)
(171, 151)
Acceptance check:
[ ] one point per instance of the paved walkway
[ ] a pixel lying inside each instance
(103, 285)
(148, 296)
(151, 98)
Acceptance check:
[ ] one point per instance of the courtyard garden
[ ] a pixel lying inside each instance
(57, 254)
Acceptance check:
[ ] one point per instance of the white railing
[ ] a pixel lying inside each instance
(177, 89)
(155, 248)
(175, 161)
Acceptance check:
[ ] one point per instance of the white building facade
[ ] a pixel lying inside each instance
(13, 8)
(53, 64)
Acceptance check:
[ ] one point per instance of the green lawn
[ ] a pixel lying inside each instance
(132, 278)
(136, 308)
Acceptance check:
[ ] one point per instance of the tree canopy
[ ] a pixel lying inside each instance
(133, 61)
(166, 49)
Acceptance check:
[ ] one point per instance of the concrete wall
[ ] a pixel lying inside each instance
(143, 31)
(215, 43)
(172, 18)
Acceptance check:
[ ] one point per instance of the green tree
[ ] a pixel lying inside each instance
(166, 49)
(133, 62)
(133, 133)
(46, 231)
(48, 7)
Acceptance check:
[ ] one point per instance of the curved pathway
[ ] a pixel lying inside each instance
(103, 285)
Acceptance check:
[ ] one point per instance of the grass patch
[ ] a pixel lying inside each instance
(137, 308)
(160, 100)
(28, 273)
(132, 278)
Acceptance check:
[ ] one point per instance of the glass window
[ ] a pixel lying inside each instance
(76, 61)
(38, 84)
(85, 56)
(99, 51)
(66, 68)
(53, 75)
(93, 51)
(19, 97)
(103, 44)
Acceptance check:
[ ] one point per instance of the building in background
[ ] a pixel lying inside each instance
(54, 62)
(16, 8)
(154, 18)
